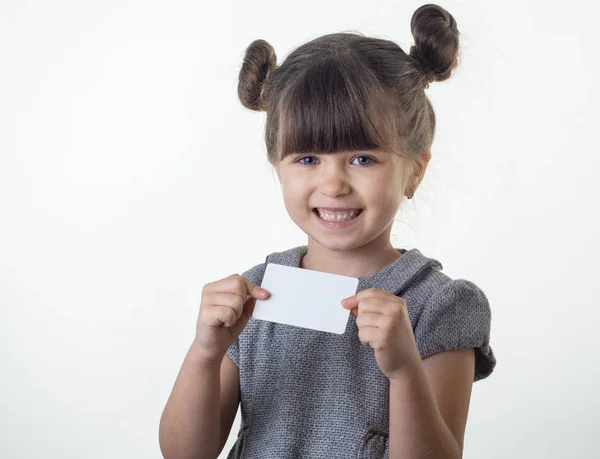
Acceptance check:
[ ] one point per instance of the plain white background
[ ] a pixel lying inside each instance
(130, 176)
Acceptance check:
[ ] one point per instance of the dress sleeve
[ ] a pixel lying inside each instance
(456, 316)
(254, 274)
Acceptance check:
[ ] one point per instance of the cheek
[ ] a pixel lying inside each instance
(295, 200)
(384, 199)
(383, 206)
(295, 193)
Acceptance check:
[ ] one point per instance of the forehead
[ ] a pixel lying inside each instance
(327, 111)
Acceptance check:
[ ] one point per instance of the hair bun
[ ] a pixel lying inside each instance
(436, 42)
(260, 58)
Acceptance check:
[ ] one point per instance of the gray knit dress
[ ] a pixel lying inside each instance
(312, 394)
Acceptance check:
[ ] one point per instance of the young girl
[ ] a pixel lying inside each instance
(349, 131)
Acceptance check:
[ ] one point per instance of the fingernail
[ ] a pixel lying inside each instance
(345, 301)
(263, 293)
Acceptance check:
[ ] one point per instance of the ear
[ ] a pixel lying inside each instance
(419, 176)
(426, 157)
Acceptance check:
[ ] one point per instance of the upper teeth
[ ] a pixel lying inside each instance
(330, 215)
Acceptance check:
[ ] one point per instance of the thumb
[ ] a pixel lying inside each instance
(254, 290)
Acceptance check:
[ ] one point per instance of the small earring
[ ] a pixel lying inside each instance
(411, 193)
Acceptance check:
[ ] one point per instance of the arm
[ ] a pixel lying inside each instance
(429, 406)
(190, 423)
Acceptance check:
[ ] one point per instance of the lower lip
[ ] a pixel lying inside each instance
(337, 224)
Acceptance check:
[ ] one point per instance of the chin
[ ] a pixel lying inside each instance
(336, 244)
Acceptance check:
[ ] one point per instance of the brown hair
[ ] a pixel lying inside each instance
(344, 91)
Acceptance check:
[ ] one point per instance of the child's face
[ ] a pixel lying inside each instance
(349, 180)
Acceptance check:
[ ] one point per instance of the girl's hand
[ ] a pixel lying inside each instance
(226, 306)
(383, 324)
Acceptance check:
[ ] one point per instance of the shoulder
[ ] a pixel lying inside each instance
(454, 304)
(451, 314)
(434, 291)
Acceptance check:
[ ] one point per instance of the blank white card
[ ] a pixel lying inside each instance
(305, 298)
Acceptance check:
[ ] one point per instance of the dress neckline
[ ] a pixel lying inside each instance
(301, 250)
(393, 278)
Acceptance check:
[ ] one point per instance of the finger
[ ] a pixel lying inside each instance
(240, 285)
(349, 302)
(363, 308)
(367, 335)
(226, 300)
(221, 317)
(254, 290)
(229, 285)
(370, 292)
(370, 319)
(373, 305)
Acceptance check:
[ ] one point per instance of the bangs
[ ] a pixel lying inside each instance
(332, 108)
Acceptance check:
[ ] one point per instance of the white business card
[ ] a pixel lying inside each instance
(305, 298)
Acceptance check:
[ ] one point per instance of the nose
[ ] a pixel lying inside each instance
(333, 182)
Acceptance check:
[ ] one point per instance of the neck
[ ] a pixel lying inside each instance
(353, 262)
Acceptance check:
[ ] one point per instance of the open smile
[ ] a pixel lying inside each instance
(337, 223)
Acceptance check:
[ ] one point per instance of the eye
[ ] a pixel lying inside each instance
(372, 160)
(367, 157)
(305, 157)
